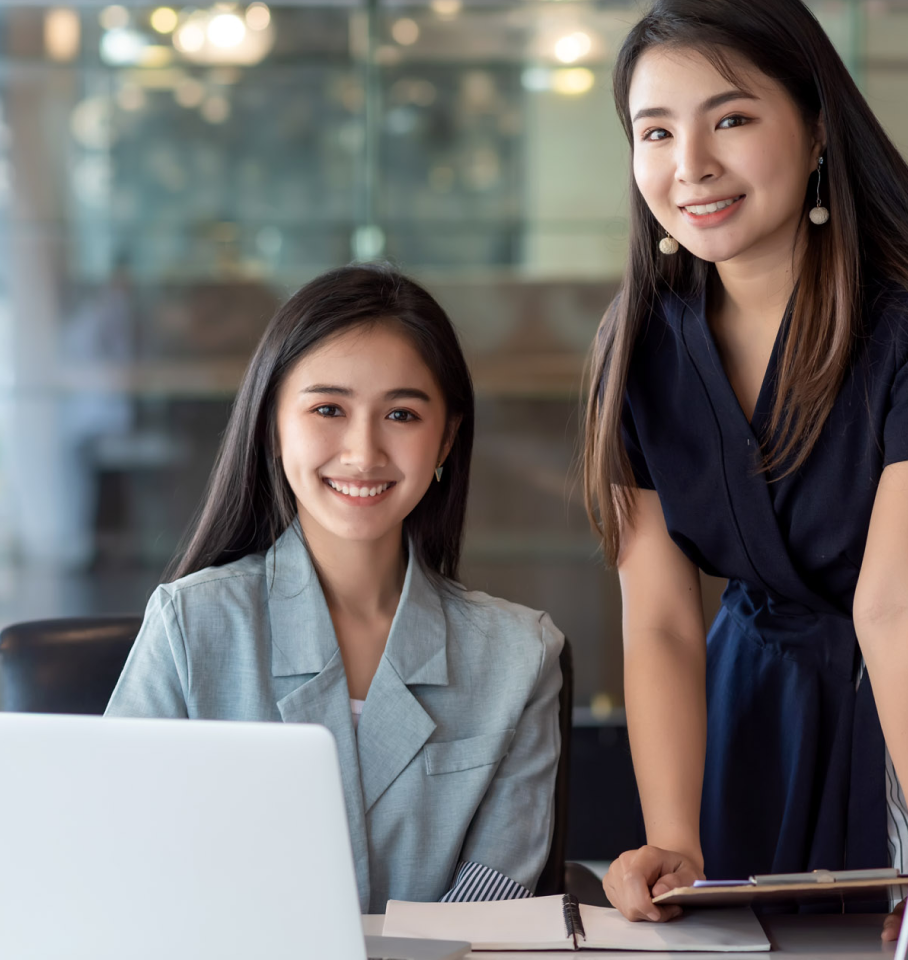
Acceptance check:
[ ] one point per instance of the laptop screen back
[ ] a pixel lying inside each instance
(176, 839)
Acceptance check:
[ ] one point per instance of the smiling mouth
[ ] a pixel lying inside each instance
(703, 209)
(360, 490)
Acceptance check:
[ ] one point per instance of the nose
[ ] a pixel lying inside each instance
(695, 162)
(363, 448)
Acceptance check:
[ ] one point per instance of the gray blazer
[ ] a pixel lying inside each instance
(458, 742)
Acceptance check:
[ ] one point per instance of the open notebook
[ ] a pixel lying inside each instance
(561, 923)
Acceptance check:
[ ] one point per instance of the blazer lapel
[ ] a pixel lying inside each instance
(394, 726)
(303, 644)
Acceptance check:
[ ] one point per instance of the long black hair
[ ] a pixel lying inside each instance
(249, 503)
(865, 188)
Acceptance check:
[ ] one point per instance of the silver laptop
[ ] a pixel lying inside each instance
(185, 840)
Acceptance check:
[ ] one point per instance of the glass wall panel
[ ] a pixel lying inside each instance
(168, 174)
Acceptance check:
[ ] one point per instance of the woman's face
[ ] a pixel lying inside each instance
(722, 166)
(361, 426)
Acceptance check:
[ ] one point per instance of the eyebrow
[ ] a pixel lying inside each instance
(705, 107)
(399, 393)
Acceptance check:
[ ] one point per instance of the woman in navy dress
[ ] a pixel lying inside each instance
(749, 418)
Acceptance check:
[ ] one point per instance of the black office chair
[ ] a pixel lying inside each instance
(558, 876)
(551, 880)
(70, 665)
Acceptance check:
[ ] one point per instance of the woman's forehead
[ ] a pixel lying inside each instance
(364, 357)
(684, 75)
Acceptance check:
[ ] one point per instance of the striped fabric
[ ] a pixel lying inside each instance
(473, 881)
(896, 820)
(896, 813)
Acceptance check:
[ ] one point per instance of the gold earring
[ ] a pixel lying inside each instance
(819, 214)
(668, 244)
(438, 472)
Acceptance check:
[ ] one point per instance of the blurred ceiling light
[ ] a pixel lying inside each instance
(219, 36)
(536, 79)
(367, 242)
(121, 48)
(405, 31)
(574, 82)
(164, 19)
(447, 8)
(190, 38)
(114, 18)
(226, 30)
(215, 109)
(572, 47)
(258, 16)
(156, 55)
(62, 32)
(189, 92)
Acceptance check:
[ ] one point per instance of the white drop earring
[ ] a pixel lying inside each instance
(819, 214)
(668, 244)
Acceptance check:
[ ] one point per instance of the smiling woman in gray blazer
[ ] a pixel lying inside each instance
(319, 586)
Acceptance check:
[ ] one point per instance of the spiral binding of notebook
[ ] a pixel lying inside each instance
(573, 925)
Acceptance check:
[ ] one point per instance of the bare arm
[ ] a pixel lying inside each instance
(881, 618)
(665, 693)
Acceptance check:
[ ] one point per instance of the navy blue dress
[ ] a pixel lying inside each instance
(795, 755)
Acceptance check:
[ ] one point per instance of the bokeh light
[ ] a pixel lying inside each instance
(258, 16)
(164, 20)
(405, 31)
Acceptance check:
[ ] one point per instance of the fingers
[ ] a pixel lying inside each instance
(893, 923)
(630, 879)
(684, 876)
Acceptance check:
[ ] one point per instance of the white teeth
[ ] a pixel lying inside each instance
(358, 491)
(699, 209)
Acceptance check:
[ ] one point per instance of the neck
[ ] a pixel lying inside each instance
(361, 578)
(758, 286)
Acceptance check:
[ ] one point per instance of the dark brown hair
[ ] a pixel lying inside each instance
(249, 503)
(863, 172)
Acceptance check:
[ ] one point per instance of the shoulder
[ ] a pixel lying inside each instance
(661, 330)
(886, 314)
(660, 355)
(513, 632)
(240, 579)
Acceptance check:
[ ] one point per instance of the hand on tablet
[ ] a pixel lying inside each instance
(893, 923)
(639, 875)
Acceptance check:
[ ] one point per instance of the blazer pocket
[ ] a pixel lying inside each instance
(455, 755)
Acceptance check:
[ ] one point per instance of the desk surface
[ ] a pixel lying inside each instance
(806, 936)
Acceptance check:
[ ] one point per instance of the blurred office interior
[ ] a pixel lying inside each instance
(168, 174)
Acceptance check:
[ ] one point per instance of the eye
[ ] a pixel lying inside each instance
(328, 410)
(402, 416)
(654, 134)
(735, 120)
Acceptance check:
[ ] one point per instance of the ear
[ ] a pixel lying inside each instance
(449, 437)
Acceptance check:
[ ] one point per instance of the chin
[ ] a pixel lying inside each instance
(715, 253)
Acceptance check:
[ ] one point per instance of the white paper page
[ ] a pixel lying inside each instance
(701, 931)
(536, 923)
